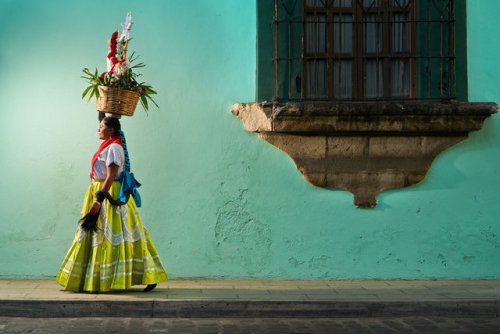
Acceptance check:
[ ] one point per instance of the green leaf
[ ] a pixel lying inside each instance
(144, 102)
(131, 58)
(92, 93)
(86, 91)
(154, 102)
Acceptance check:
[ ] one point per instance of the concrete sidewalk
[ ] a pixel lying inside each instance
(257, 298)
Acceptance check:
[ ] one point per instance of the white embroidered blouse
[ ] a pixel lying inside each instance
(111, 154)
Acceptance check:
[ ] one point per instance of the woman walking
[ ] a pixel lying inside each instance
(112, 250)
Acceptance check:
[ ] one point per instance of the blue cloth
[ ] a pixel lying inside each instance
(129, 186)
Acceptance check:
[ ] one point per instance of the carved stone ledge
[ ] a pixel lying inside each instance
(363, 147)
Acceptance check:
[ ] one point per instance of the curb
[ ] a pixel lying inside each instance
(245, 309)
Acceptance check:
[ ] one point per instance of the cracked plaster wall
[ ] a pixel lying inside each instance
(218, 201)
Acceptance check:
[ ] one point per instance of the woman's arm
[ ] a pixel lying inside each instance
(111, 172)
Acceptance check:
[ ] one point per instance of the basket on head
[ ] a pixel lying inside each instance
(116, 101)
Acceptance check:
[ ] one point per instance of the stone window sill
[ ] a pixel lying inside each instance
(363, 147)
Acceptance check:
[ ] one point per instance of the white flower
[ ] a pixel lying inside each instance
(121, 68)
(109, 64)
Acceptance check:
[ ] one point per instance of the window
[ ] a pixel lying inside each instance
(361, 50)
(328, 72)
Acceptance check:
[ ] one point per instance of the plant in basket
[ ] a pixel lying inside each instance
(118, 89)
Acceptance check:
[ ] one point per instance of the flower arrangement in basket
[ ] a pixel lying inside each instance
(118, 90)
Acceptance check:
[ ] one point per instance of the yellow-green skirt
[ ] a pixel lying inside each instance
(120, 254)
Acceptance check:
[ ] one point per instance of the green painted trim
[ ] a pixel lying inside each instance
(461, 50)
(265, 50)
(264, 76)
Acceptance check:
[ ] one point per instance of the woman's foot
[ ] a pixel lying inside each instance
(149, 287)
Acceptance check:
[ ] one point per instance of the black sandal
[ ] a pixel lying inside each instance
(150, 287)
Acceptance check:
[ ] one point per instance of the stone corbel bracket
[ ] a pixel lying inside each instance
(363, 147)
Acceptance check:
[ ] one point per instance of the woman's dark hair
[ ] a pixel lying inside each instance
(112, 123)
(100, 116)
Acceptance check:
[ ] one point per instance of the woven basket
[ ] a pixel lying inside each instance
(117, 101)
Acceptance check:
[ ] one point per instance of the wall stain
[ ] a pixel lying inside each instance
(317, 265)
(240, 237)
(468, 258)
(293, 242)
(442, 259)
(385, 258)
(295, 262)
(490, 237)
(318, 262)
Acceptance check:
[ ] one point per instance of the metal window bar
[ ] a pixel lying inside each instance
(425, 57)
(428, 50)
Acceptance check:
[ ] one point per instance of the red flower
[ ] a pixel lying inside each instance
(114, 60)
(112, 45)
(102, 75)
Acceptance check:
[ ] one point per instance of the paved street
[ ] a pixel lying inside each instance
(255, 306)
(427, 325)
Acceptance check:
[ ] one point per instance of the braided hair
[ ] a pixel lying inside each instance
(114, 123)
(127, 160)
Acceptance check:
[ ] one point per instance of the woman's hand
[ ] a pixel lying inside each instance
(94, 208)
(112, 170)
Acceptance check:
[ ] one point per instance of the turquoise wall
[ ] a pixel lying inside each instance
(218, 201)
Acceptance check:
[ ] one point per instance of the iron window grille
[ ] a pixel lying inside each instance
(364, 50)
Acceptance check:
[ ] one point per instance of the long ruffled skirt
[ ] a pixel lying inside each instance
(120, 254)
